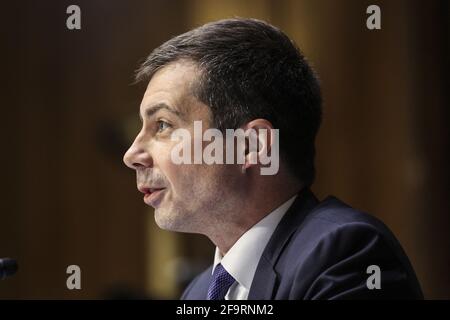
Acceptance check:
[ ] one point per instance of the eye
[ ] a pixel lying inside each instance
(163, 125)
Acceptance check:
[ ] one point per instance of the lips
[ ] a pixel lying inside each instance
(146, 190)
(152, 196)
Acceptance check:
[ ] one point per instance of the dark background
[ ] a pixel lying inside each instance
(69, 112)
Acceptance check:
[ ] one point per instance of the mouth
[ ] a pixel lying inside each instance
(152, 196)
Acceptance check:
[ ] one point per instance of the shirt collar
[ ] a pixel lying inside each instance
(243, 257)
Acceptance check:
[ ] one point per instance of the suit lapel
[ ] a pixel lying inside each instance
(200, 286)
(266, 279)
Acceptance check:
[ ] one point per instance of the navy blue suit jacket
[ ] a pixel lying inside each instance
(321, 250)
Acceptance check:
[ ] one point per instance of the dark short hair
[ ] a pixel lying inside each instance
(250, 69)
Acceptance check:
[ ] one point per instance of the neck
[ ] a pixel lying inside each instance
(251, 207)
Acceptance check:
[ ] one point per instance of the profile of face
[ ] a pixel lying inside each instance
(186, 197)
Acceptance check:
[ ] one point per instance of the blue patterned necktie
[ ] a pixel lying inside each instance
(221, 282)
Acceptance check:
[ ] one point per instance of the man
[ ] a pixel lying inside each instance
(274, 239)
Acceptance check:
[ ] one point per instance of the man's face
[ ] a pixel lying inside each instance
(186, 197)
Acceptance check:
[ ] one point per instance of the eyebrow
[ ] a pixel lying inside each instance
(150, 111)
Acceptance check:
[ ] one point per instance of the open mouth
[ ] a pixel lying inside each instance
(153, 196)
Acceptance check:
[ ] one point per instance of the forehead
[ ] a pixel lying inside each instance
(172, 85)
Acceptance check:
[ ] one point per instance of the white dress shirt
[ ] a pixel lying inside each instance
(243, 257)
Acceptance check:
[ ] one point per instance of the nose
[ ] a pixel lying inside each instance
(137, 156)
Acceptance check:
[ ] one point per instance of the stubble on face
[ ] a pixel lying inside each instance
(198, 197)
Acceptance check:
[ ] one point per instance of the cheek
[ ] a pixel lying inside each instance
(181, 177)
(163, 162)
(191, 182)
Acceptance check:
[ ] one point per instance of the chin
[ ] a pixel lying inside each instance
(167, 220)
(173, 221)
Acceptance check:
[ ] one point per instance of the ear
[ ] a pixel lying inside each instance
(259, 135)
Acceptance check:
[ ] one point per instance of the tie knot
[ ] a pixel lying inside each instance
(221, 282)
